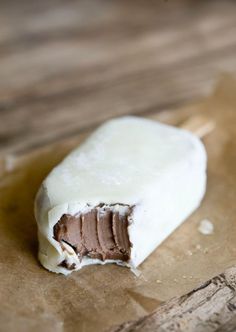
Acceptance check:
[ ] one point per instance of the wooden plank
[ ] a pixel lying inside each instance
(65, 67)
(209, 307)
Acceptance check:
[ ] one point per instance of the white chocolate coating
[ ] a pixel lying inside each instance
(159, 169)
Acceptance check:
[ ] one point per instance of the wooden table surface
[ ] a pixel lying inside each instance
(65, 66)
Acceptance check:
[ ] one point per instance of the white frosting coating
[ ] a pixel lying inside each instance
(159, 169)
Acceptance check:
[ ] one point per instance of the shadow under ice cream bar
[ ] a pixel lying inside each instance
(119, 195)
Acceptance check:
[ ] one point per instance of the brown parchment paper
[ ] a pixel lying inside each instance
(97, 297)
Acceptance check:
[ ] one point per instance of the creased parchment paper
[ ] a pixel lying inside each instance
(97, 297)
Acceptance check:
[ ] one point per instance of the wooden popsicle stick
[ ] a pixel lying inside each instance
(198, 125)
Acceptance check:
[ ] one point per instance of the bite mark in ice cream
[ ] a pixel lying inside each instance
(101, 232)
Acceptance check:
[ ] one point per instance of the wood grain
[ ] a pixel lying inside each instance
(210, 307)
(65, 66)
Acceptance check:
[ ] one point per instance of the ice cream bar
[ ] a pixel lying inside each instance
(116, 197)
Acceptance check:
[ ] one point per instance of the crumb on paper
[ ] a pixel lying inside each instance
(198, 246)
(206, 227)
(158, 281)
(184, 277)
(205, 250)
(175, 280)
(143, 278)
(189, 252)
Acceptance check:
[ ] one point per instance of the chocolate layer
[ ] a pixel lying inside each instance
(101, 233)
